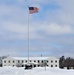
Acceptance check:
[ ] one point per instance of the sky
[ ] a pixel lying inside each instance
(51, 30)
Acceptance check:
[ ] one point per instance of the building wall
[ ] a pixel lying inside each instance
(8, 62)
(51, 62)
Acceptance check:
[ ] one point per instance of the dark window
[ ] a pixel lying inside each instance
(38, 61)
(4, 61)
(51, 65)
(34, 61)
(38, 65)
(34, 65)
(13, 61)
(22, 65)
(22, 61)
(26, 61)
(30, 60)
(56, 61)
(42, 61)
(9, 61)
(51, 61)
(18, 61)
(13, 65)
(47, 61)
(55, 65)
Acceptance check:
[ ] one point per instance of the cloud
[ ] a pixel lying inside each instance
(54, 29)
(51, 29)
(9, 51)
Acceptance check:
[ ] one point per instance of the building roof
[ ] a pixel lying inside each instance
(32, 58)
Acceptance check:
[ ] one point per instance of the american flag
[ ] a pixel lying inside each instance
(33, 10)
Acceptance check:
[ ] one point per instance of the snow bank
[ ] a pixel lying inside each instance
(35, 71)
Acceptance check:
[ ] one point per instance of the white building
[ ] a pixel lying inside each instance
(37, 61)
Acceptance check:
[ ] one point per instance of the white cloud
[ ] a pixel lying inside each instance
(9, 51)
(51, 29)
(54, 29)
(59, 22)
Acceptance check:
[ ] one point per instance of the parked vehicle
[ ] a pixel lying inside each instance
(28, 66)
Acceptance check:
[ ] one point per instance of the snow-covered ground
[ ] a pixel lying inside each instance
(35, 71)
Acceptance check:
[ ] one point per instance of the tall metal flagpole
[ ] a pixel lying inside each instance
(28, 31)
(36, 10)
(28, 36)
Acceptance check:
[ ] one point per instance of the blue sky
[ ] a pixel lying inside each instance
(51, 29)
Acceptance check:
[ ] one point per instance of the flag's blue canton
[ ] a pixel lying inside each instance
(31, 8)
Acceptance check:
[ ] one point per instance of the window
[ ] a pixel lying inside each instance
(38, 61)
(22, 65)
(55, 61)
(18, 61)
(51, 61)
(38, 65)
(22, 61)
(9, 61)
(55, 65)
(34, 61)
(47, 61)
(30, 60)
(4, 61)
(34, 65)
(26, 61)
(42, 61)
(51, 65)
(13, 61)
(13, 65)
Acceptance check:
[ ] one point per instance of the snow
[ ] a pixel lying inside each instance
(35, 71)
(31, 58)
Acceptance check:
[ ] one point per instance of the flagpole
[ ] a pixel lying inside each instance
(30, 12)
(28, 30)
(36, 10)
(28, 36)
